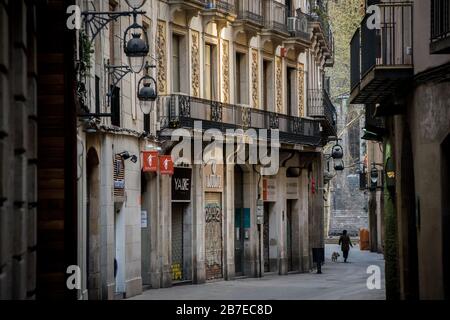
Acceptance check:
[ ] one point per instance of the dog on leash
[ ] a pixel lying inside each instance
(335, 256)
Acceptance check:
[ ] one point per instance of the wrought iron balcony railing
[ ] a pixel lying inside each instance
(440, 26)
(319, 15)
(275, 16)
(298, 26)
(355, 58)
(392, 44)
(180, 111)
(250, 10)
(227, 6)
(381, 59)
(320, 106)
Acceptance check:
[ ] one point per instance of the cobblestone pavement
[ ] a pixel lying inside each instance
(339, 281)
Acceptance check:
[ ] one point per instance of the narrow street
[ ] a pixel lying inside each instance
(339, 281)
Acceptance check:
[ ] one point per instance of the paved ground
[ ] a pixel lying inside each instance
(339, 281)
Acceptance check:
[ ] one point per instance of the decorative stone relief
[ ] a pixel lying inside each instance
(195, 56)
(255, 79)
(162, 56)
(279, 85)
(225, 71)
(301, 91)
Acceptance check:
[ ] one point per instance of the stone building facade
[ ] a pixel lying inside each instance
(229, 64)
(409, 117)
(81, 196)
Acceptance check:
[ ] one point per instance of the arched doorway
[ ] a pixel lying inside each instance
(93, 225)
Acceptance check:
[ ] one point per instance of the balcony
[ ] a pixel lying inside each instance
(180, 111)
(275, 22)
(321, 108)
(300, 37)
(250, 19)
(374, 128)
(440, 27)
(321, 31)
(219, 11)
(382, 60)
(192, 6)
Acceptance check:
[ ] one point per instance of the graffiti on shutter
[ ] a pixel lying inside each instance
(119, 176)
(213, 236)
(177, 242)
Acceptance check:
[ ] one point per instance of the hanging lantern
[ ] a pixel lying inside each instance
(135, 4)
(147, 91)
(337, 152)
(136, 46)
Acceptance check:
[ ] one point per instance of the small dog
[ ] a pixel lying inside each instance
(335, 256)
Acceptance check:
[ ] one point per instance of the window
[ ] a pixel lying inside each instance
(115, 107)
(210, 72)
(147, 123)
(112, 33)
(268, 96)
(241, 74)
(290, 87)
(97, 94)
(176, 64)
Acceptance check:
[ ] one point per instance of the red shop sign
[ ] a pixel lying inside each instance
(166, 165)
(150, 161)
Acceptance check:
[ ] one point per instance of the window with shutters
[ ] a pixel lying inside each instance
(119, 176)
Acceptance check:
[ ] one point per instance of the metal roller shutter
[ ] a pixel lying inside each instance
(213, 235)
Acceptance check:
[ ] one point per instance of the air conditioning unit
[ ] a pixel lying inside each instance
(292, 24)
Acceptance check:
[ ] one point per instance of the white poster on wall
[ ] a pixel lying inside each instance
(144, 219)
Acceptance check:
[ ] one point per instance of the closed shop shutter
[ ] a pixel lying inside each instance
(177, 242)
(213, 235)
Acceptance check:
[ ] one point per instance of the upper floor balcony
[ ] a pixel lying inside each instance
(440, 26)
(251, 12)
(298, 28)
(275, 22)
(193, 6)
(321, 108)
(181, 111)
(382, 59)
(321, 32)
(220, 11)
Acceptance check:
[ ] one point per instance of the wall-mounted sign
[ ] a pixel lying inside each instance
(166, 165)
(181, 184)
(292, 188)
(150, 161)
(213, 174)
(269, 189)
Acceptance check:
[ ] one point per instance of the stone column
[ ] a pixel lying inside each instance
(251, 244)
(165, 230)
(198, 226)
(280, 209)
(154, 222)
(304, 221)
(228, 221)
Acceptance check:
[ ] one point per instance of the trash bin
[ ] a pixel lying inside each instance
(364, 242)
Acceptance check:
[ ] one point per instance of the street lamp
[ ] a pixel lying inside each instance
(339, 165)
(147, 91)
(136, 48)
(135, 4)
(337, 152)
